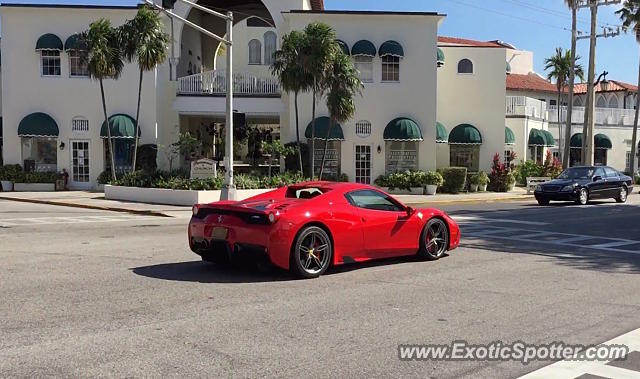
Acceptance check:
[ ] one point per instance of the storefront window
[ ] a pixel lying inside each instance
(600, 157)
(465, 156)
(536, 154)
(332, 160)
(39, 154)
(401, 156)
(575, 156)
(123, 148)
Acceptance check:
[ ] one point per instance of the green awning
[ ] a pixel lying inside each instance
(391, 48)
(576, 141)
(121, 125)
(402, 129)
(465, 134)
(364, 47)
(601, 141)
(38, 125)
(343, 46)
(49, 42)
(508, 68)
(75, 42)
(441, 133)
(440, 57)
(538, 137)
(509, 137)
(322, 127)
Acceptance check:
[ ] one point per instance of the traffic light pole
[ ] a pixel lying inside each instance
(228, 188)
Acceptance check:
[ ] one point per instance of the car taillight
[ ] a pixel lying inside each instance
(273, 217)
(195, 209)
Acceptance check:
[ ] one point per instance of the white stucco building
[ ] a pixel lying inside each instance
(428, 101)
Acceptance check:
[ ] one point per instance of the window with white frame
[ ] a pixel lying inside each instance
(363, 128)
(507, 155)
(465, 156)
(255, 52)
(465, 66)
(401, 156)
(50, 62)
(80, 125)
(390, 68)
(270, 42)
(364, 65)
(78, 64)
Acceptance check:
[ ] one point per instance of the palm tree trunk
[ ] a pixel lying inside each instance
(326, 147)
(135, 130)
(634, 136)
(313, 133)
(295, 102)
(106, 121)
(559, 124)
(566, 159)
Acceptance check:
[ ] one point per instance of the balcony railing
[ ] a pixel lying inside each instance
(215, 83)
(605, 116)
(525, 106)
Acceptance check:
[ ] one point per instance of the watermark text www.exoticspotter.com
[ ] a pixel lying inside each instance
(517, 351)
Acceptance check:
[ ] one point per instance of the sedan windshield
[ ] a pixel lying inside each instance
(577, 173)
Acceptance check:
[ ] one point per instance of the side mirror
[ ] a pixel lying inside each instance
(410, 211)
(597, 178)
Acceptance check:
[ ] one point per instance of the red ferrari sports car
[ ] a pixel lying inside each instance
(309, 226)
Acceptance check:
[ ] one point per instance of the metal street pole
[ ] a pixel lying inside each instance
(228, 188)
(587, 138)
(566, 157)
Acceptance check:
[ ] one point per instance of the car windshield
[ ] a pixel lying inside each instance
(577, 173)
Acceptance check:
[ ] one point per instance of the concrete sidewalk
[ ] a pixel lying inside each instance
(96, 200)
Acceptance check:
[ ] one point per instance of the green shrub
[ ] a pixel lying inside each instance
(480, 178)
(433, 178)
(291, 162)
(526, 170)
(12, 173)
(501, 178)
(147, 157)
(41, 177)
(454, 179)
(342, 178)
(403, 180)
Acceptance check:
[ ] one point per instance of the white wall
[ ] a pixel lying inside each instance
(414, 96)
(477, 99)
(521, 61)
(25, 91)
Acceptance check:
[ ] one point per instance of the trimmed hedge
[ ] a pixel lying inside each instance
(455, 179)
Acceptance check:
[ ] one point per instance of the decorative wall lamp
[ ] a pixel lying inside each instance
(61, 145)
(379, 149)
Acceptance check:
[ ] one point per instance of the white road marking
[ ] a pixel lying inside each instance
(72, 220)
(574, 369)
(463, 219)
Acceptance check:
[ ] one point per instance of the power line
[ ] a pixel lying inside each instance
(559, 14)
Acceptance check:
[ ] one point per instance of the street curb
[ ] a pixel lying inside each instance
(86, 206)
(459, 201)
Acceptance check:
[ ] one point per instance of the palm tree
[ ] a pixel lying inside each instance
(319, 50)
(343, 83)
(104, 61)
(288, 67)
(560, 66)
(573, 5)
(630, 16)
(144, 41)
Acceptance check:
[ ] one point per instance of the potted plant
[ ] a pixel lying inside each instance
(480, 180)
(473, 182)
(8, 175)
(432, 181)
(416, 181)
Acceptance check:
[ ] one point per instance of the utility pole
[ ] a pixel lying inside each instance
(589, 118)
(228, 188)
(572, 78)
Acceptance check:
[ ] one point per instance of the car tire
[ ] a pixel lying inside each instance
(622, 195)
(543, 202)
(311, 253)
(434, 240)
(583, 197)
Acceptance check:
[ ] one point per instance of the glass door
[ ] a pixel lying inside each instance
(79, 164)
(363, 164)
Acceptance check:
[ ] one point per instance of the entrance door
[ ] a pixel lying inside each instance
(363, 164)
(79, 176)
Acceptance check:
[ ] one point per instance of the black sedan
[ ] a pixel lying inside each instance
(581, 184)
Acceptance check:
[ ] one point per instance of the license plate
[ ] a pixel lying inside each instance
(219, 233)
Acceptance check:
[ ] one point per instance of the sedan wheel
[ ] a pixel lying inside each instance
(311, 253)
(622, 195)
(583, 197)
(435, 240)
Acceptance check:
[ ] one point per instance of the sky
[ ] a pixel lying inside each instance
(534, 25)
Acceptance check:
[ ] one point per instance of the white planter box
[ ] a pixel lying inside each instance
(398, 191)
(7, 185)
(431, 189)
(34, 187)
(169, 196)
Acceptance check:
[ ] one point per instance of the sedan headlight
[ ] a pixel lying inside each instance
(538, 188)
(570, 187)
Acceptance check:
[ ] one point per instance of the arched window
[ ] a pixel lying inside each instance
(577, 101)
(255, 52)
(465, 66)
(270, 42)
(613, 102)
(601, 102)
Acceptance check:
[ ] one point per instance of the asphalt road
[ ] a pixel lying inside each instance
(90, 293)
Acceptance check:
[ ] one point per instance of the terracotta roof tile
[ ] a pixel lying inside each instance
(468, 42)
(614, 86)
(529, 82)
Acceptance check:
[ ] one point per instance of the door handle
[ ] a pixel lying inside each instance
(364, 219)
